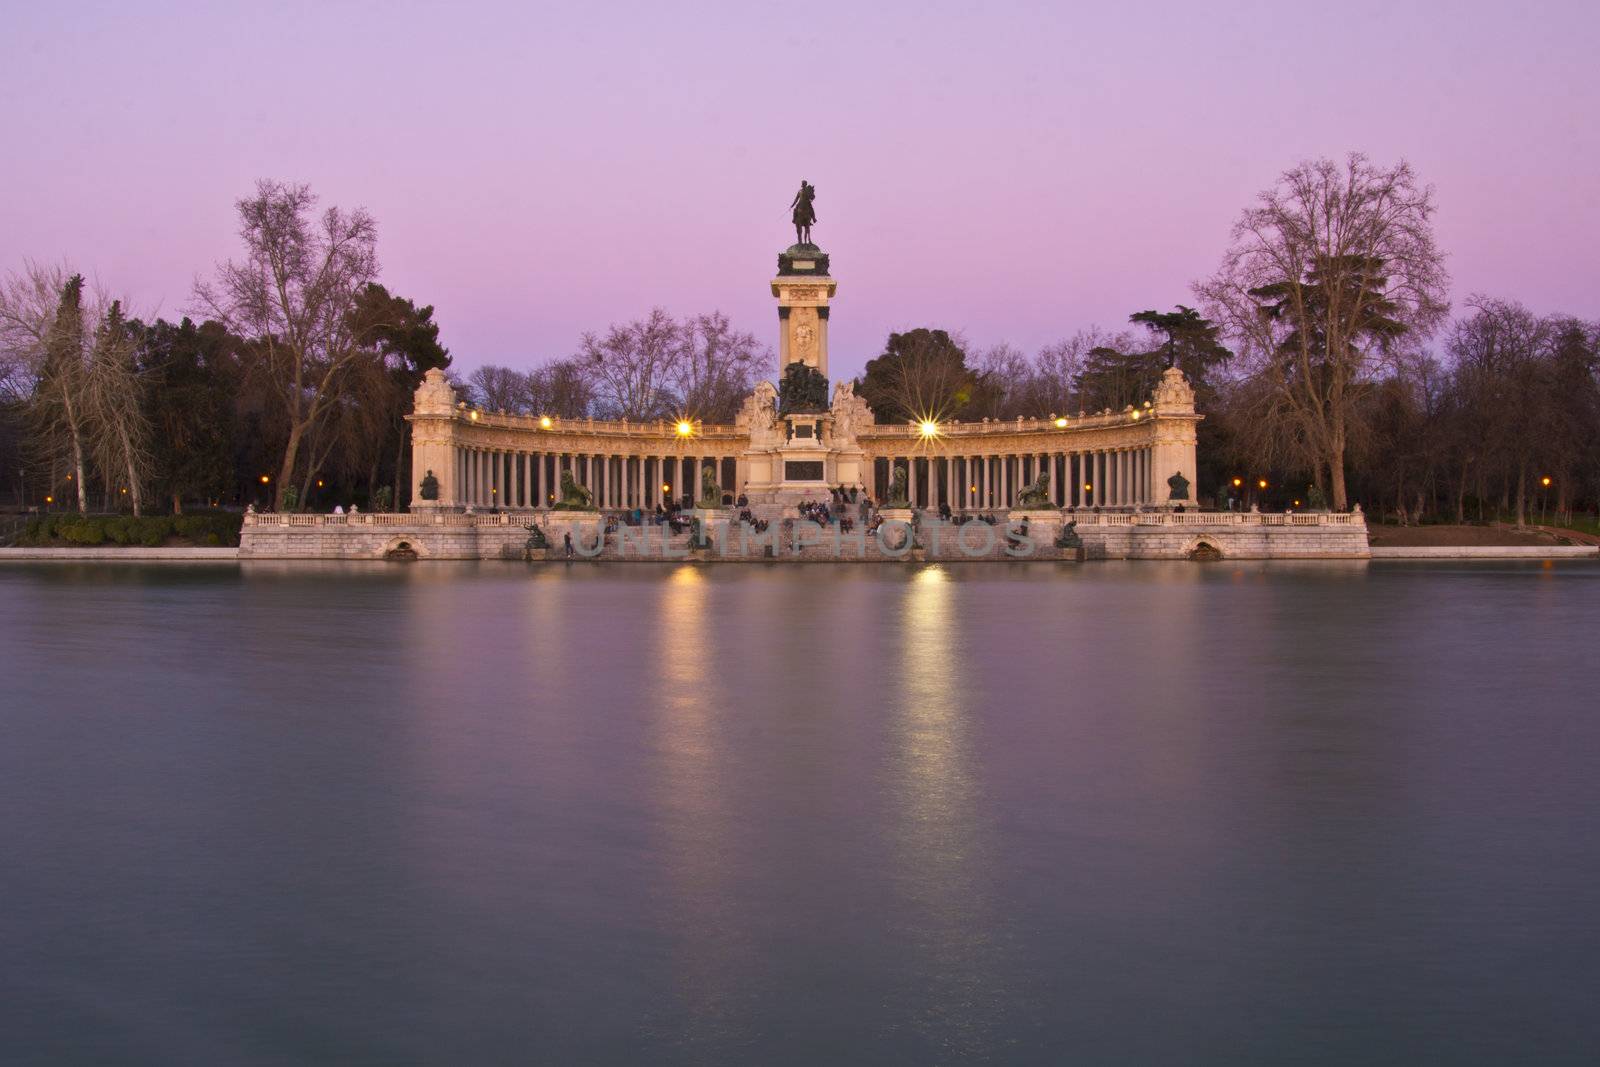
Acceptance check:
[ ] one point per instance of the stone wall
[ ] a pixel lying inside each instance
(1105, 536)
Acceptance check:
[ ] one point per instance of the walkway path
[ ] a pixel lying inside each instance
(121, 555)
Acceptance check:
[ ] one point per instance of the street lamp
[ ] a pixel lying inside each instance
(544, 422)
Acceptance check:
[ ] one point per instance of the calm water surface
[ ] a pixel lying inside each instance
(1117, 813)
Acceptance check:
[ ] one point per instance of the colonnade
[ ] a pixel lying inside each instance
(494, 478)
(1118, 477)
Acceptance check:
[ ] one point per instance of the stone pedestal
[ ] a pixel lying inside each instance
(1038, 519)
(584, 526)
(803, 289)
(1043, 526)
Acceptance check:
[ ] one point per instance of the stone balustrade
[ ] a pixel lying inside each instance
(1220, 518)
(384, 519)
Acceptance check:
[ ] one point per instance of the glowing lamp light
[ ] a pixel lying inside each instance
(544, 422)
(1087, 488)
(1061, 424)
(1262, 483)
(1545, 481)
(1237, 483)
(665, 488)
(319, 483)
(49, 500)
(685, 428)
(1135, 414)
(474, 416)
(124, 492)
(265, 479)
(928, 428)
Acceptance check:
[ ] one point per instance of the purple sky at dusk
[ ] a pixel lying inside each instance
(1012, 171)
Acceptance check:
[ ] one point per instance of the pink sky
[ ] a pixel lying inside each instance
(1012, 171)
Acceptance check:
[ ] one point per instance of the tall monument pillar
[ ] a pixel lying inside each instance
(433, 448)
(803, 289)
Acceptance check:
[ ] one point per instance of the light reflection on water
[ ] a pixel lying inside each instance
(1129, 813)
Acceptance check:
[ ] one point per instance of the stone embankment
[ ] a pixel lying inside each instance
(1125, 534)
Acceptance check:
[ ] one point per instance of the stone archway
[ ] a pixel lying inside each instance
(1202, 550)
(402, 549)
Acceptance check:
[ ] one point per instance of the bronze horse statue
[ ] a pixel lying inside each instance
(804, 212)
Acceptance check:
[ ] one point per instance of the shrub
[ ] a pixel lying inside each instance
(86, 531)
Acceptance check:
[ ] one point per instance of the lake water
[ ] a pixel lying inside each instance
(673, 814)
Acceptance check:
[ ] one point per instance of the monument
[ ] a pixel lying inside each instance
(1120, 482)
(804, 445)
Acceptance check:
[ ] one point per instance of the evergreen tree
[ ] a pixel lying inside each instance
(923, 374)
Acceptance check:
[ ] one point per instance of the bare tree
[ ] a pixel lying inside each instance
(1010, 376)
(561, 388)
(500, 389)
(29, 300)
(633, 367)
(716, 367)
(1503, 355)
(56, 406)
(114, 408)
(1329, 275)
(293, 293)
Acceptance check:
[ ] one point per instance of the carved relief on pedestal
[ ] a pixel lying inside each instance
(1173, 392)
(434, 396)
(804, 336)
